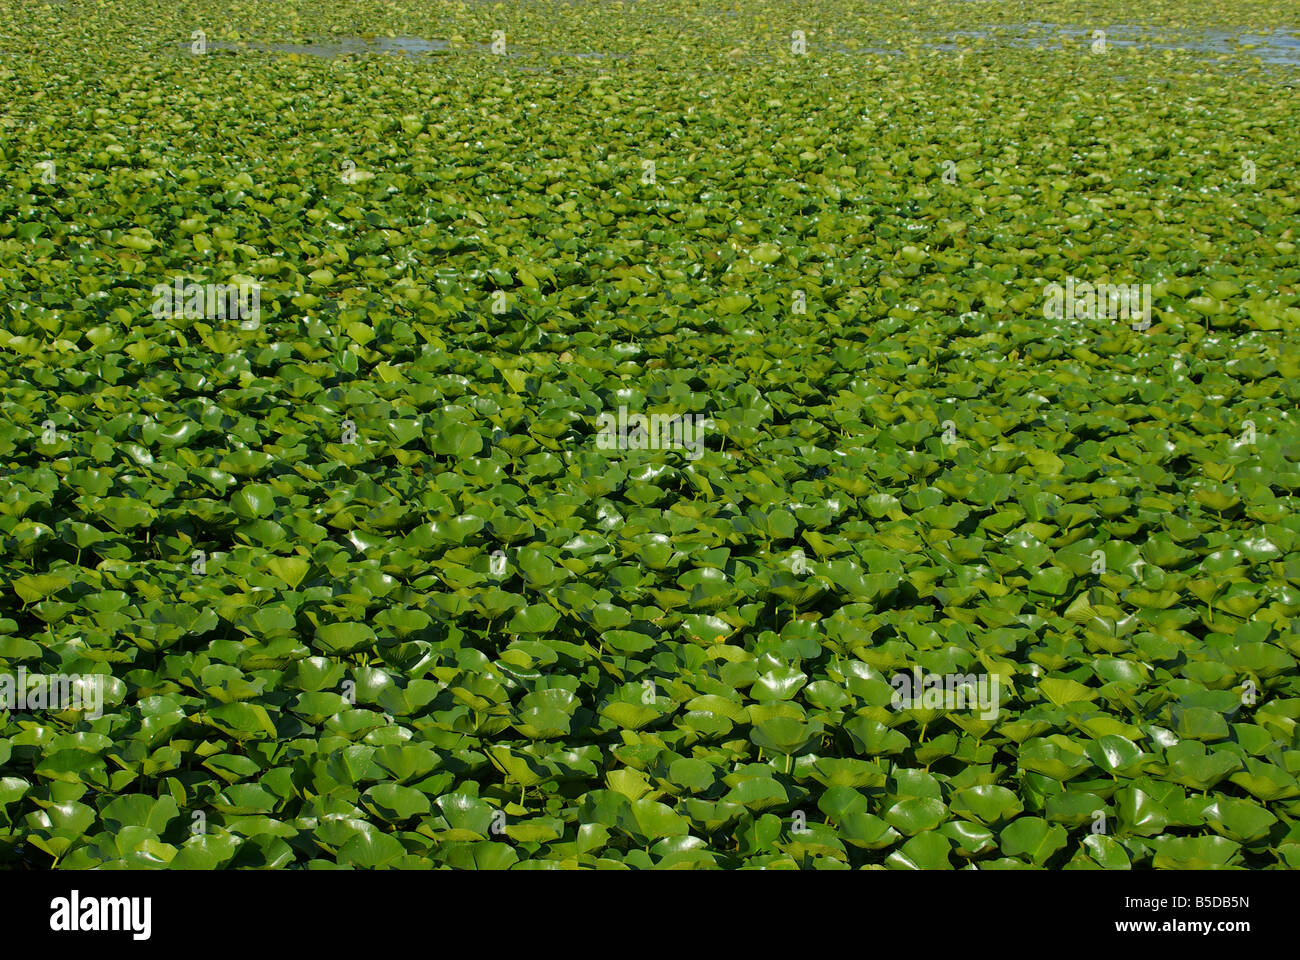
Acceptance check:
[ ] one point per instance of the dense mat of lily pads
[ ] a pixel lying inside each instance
(363, 590)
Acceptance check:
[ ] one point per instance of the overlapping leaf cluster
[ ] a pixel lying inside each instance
(312, 654)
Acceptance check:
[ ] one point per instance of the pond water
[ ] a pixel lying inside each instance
(411, 46)
(342, 46)
(1279, 47)
(1276, 47)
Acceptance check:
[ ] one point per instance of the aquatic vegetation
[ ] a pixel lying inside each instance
(569, 435)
